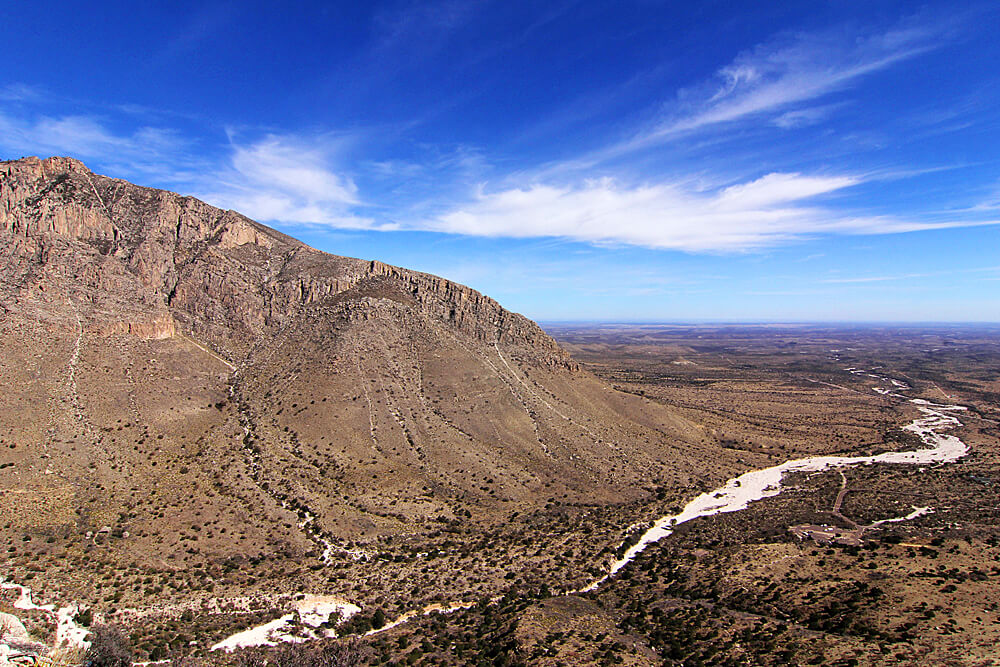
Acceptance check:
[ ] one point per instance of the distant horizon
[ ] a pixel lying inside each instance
(772, 323)
(801, 161)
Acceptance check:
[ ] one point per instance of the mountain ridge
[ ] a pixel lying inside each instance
(199, 227)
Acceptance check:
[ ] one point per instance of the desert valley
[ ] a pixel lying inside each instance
(223, 446)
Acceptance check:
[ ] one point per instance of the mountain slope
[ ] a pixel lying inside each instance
(188, 386)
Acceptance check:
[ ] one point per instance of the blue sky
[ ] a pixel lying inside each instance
(637, 160)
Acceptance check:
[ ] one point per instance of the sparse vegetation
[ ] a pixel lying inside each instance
(325, 654)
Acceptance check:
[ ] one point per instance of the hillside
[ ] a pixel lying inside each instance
(197, 402)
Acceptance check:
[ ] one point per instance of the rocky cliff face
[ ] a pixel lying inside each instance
(207, 266)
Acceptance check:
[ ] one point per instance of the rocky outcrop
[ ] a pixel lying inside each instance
(470, 310)
(12, 629)
(157, 327)
(34, 204)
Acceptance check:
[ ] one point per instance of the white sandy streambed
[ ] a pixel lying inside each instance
(739, 492)
(312, 611)
(68, 633)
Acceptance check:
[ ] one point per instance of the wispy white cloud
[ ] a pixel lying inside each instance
(278, 178)
(805, 116)
(878, 279)
(911, 276)
(202, 25)
(289, 179)
(780, 83)
(412, 23)
(77, 135)
(764, 212)
(811, 257)
(990, 203)
(787, 82)
(19, 92)
(300, 178)
(161, 153)
(775, 76)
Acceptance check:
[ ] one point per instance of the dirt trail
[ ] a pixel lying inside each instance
(207, 351)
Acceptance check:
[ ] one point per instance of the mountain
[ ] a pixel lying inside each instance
(185, 387)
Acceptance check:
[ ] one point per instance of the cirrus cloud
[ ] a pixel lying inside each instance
(776, 76)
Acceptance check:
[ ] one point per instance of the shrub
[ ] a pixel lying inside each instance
(84, 617)
(108, 648)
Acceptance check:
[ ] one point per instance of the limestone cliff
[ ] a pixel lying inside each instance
(207, 266)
